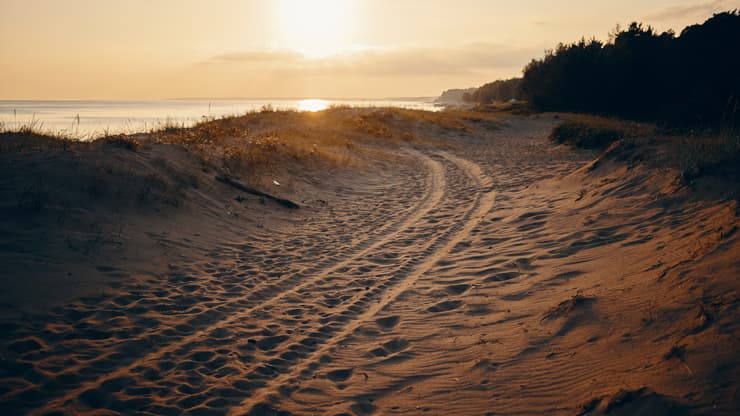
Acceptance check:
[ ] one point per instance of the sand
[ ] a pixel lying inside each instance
(479, 272)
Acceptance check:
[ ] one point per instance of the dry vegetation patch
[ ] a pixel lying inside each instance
(261, 142)
(255, 145)
(692, 154)
(45, 171)
(698, 154)
(597, 133)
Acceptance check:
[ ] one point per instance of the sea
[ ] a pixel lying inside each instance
(90, 119)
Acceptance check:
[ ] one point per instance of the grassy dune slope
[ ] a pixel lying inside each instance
(73, 209)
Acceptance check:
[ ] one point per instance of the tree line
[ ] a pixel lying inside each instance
(687, 79)
(500, 90)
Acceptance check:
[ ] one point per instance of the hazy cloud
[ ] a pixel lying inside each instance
(254, 56)
(403, 62)
(693, 9)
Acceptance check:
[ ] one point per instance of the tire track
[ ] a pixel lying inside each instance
(222, 394)
(436, 185)
(98, 367)
(482, 205)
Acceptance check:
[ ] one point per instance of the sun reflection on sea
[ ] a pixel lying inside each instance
(313, 105)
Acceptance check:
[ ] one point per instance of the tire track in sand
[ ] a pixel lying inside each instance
(436, 186)
(482, 205)
(217, 372)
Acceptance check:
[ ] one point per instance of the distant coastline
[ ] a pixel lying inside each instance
(91, 118)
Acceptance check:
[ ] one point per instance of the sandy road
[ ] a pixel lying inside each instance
(243, 342)
(479, 204)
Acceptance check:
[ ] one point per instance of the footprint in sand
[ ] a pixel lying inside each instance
(339, 375)
(388, 322)
(457, 289)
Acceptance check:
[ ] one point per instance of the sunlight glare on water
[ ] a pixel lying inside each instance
(313, 105)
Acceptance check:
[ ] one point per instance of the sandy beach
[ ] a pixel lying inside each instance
(453, 263)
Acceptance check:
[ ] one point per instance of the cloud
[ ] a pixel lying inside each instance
(364, 72)
(254, 56)
(384, 62)
(693, 10)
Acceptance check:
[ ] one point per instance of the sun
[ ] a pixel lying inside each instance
(316, 28)
(313, 105)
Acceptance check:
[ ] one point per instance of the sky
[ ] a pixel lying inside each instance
(160, 49)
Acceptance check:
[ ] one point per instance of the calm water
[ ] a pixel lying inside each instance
(86, 119)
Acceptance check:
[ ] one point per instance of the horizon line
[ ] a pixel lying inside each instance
(400, 98)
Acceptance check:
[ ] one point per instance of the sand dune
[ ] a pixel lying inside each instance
(476, 269)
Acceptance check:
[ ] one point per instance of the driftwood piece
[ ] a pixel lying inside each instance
(248, 189)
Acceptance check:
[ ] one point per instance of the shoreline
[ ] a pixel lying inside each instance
(91, 119)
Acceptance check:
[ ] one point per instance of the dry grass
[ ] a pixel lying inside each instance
(32, 138)
(262, 143)
(692, 154)
(518, 108)
(597, 133)
(697, 154)
(450, 120)
(58, 170)
(123, 142)
(375, 124)
(415, 126)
